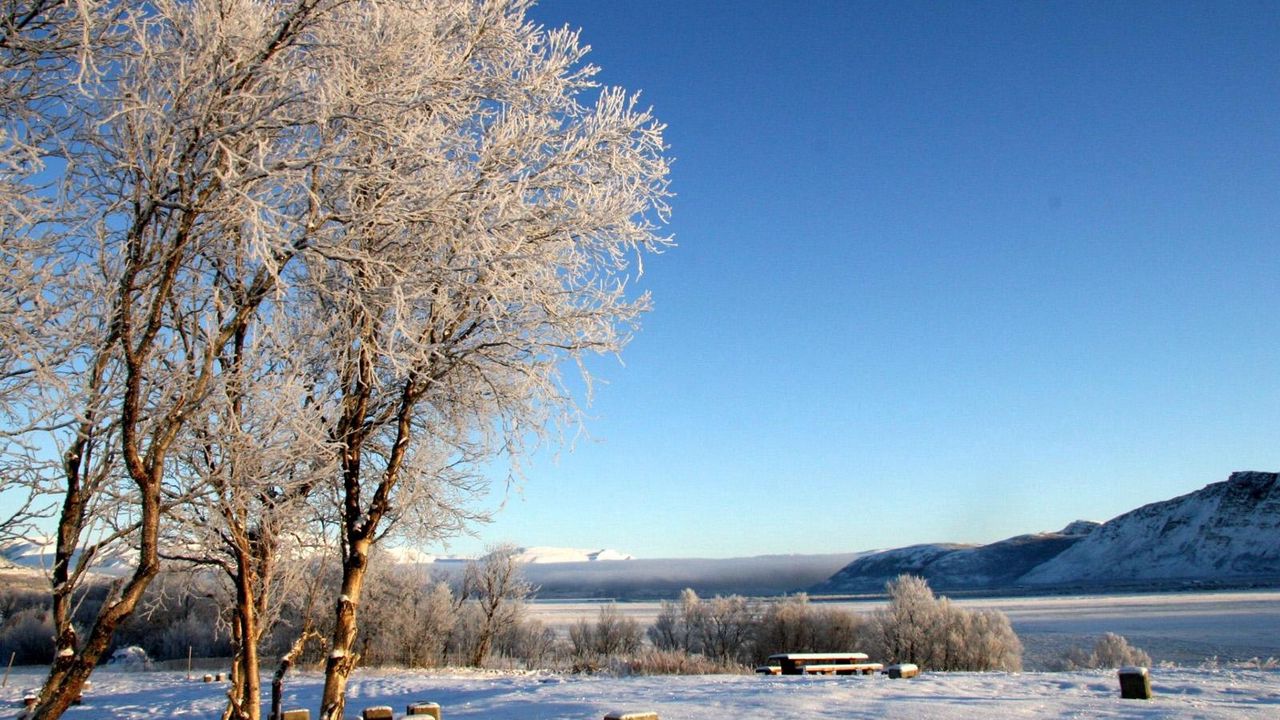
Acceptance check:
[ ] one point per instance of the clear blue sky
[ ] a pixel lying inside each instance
(946, 272)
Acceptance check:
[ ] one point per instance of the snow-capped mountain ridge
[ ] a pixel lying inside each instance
(1227, 532)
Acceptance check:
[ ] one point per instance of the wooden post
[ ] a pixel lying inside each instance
(12, 655)
(1135, 683)
(188, 662)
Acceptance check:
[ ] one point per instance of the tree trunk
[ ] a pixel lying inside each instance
(342, 658)
(286, 662)
(244, 697)
(71, 668)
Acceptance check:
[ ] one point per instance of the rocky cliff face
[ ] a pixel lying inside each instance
(1226, 532)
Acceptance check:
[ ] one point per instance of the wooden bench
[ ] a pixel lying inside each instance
(843, 669)
(851, 663)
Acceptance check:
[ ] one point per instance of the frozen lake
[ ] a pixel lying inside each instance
(1183, 628)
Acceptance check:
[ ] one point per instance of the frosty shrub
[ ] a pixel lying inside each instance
(795, 625)
(671, 662)
(531, 644)
(676, 627)
(178, 612)
(407, 618)
(610, 635)
(918, 627)
(1110, 651)
(726, 626)
(29, 634)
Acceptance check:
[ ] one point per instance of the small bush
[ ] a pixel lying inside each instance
(28, 634)
(672, 662)
(795, 625)
(917, 627)
(1110, 651)
(611, 635)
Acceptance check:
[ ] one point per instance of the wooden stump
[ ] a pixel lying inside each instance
(1135, 683)
(632, 715)
(426, 709)
(902, 670)
(208, 677)
(301, 714)
(378, 712)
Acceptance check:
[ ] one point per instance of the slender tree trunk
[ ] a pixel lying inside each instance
(251, 689)
(286, 662)
(72, 668)
(342, 658)
(244, 700)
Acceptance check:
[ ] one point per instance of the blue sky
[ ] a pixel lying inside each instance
(946, 272)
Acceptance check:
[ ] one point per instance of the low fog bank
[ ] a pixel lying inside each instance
(663, 579)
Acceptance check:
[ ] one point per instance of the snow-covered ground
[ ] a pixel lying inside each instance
(1180, 693)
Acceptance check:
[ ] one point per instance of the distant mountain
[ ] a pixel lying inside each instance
(1227, 530)
(530, 555)
(1224, 533)
(37, 554)
(952, 566)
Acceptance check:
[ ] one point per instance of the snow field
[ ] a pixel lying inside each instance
(1179, 693)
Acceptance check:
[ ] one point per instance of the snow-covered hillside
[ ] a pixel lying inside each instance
(527, 555)
(37, 554)
(568, 555)
(1227, 532)
(949, 566)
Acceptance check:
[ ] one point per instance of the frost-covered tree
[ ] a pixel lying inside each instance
(437, 190)
(918, 627)
(469, 250)
(247, 471)
(496, 586)
(182, 201)
(677, 625)
(47, 52)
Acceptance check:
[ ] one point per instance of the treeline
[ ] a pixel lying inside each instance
(416, 619)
